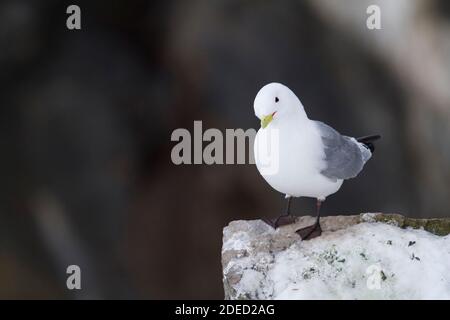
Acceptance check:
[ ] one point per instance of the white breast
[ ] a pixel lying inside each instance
(290, 159)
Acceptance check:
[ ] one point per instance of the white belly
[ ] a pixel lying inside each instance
(291, 162)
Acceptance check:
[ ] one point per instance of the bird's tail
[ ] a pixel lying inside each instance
(368, 141)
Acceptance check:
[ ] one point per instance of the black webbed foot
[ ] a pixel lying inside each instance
(310, 232)
(280, 221)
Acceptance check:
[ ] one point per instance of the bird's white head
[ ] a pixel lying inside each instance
(275, 102)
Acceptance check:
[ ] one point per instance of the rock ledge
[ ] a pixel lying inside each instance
(367, 256)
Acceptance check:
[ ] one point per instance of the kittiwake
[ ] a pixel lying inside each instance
(300, 157)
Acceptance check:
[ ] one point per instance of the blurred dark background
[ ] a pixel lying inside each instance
(86, 118)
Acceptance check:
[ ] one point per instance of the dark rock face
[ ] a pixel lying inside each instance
(86, 119)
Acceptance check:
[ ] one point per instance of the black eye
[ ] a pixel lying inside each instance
(276, 99)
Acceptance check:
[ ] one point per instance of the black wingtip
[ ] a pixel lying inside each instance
(369, 138)
(368, 141)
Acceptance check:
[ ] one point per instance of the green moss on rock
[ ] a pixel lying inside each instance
(438, 226)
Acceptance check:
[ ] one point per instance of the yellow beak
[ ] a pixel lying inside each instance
(266, 120)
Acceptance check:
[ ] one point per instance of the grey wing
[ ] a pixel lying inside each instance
(344, 156)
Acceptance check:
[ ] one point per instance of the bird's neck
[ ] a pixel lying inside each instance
(301, 113)
(292, 123)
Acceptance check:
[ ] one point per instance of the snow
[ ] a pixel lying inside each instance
(237, 241)
(362, 261)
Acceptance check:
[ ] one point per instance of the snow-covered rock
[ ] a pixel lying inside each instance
(368, 256)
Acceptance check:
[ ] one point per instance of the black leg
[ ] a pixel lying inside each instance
(283, 219)
(313, 231)
(318, 206)
(286, 213)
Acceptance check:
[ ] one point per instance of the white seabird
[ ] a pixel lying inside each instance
(301, 157)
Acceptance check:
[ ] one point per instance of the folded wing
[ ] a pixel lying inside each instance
(344, 156)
